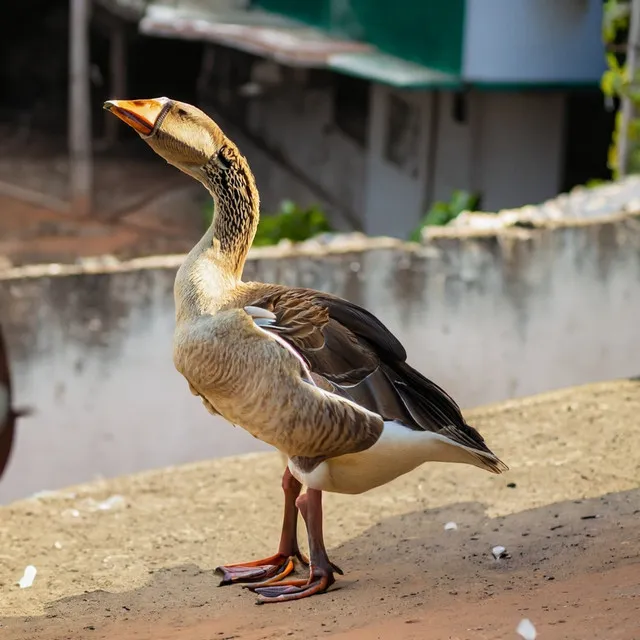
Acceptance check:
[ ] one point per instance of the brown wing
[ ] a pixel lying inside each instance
(349, 350)
(7, 416)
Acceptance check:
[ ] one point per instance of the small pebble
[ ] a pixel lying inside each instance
(450, 526)
(499, 552)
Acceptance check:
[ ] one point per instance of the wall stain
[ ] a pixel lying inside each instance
(408, 281)
(90, 310)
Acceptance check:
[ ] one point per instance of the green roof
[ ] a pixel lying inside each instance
(286, 41)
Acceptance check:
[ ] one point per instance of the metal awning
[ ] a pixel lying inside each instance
(285, 41)
(386, 69)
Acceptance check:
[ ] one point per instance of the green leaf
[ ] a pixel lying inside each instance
(462, 201)
(615, 18)
(606, 83)
(612, 61)
(441, 213)
(291, 222)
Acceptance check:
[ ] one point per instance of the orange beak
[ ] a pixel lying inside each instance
(141, 115)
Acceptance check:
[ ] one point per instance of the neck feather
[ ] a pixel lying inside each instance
(236, 211)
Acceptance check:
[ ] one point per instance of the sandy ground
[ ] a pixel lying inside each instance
(568, 514)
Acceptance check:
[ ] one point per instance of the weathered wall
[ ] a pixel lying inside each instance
(487, 316)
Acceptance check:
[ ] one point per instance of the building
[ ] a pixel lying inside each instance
(377, 109)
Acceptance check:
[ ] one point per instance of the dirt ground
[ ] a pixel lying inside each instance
(568, 514)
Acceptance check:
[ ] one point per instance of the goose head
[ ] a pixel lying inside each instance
(178, 132)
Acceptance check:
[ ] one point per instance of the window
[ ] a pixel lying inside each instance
(403, 134)
(351, 107)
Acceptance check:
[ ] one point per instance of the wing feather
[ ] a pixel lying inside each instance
(348, 350)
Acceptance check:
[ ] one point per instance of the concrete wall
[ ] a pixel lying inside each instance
(508, 146)
(400, 159)
(488, 316)
(297, 123)
(518, 149)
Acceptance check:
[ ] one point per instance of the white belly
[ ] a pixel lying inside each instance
(398, 451)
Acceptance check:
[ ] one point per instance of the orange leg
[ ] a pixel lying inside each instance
(321, 569)
(281, 564)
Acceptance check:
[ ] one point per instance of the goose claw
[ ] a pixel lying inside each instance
(277, 566)
(287, 590)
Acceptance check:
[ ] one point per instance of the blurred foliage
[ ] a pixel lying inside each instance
(442, 213)
(595, 182)
(290, 222)
(616, 84)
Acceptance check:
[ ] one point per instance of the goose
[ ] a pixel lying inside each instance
(317, 377)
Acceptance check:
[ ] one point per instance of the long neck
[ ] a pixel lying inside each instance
(236, 212)
(214, 266)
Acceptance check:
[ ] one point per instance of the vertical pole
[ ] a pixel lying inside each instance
(118, 77)
(80, 151)
(633, 55)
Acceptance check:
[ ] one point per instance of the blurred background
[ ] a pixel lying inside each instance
(465, 169)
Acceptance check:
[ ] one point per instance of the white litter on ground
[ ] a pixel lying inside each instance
(28, 577)
(46, 493)
(43, 494)
(57, 545)
(90, 505)
(113, 502)
(499, 552)
(526, 630)
(450, 526)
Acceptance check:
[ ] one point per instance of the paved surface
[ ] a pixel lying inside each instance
(143, 568)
